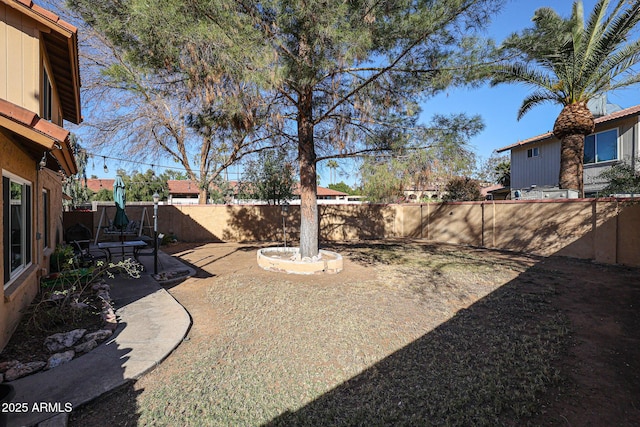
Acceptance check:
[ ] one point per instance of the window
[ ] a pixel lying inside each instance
(46, 96)
(16, 194)
(533, 152)
(45, 217)
(601, 147)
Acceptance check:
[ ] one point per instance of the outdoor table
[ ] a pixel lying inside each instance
(133, 245)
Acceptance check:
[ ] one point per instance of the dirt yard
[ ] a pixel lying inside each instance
(407, 334)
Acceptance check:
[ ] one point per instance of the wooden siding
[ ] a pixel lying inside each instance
(19, 59)
(544, 169)
(540, 171)
(629, 143)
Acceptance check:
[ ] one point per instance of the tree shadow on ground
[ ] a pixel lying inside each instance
(261, 223)
(126, 413)
(354, 222)
(70, 385)
(508, 359)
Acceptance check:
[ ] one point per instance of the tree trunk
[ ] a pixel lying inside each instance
(202, 196)
(308, 188)
(571, 163)
(572, 125)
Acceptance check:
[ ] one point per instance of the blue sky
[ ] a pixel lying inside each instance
(497, 106)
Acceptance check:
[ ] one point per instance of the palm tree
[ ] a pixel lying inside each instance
(502, 172)
(569, 62)
(332, 165)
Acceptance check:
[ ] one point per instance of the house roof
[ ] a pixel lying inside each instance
(97, 184)
(182, 186)
(37, 136)
(495, 187)
(185, 186)
(618, 115)
(321, 191)
(175, 186)
(60, 40)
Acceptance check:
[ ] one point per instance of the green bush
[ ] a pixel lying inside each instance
(61, 258)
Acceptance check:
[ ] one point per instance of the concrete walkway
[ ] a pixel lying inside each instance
(151, 324)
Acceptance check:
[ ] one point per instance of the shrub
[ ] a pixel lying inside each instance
(461, 189)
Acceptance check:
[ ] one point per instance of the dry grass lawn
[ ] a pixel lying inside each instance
(407, 334)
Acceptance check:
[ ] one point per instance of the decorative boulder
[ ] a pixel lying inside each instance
(59, 359)
(63, 340)
(86, 346)
(98, 336)
(23, 369)
(5, 366)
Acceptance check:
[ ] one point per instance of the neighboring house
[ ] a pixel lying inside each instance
(180, 191)
(431, 191)
(495, 192)
(39, 89)
(326, 194)
(535, 162)
(183, 192)
(424, 194)
(186, 191)
(97, 184)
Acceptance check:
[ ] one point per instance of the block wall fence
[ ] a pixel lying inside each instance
(603, 230)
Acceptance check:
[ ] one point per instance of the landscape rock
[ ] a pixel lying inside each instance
(171, 276)
(108, 315)
(97, 336)
(101, 286)
(5, 366)
(60, 341)
(79, 305)
(86, 346)
(23, 369)
(111, 326)
(60, 358)
(55, 297)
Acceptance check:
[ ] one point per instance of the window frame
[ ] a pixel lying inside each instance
(595, 147)
(47, 96)
(533, 152)
(26, 229)
(46, 226)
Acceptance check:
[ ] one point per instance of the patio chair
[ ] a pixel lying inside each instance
(79, 237)
(132, 229)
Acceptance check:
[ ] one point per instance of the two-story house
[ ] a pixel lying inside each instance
(535, 162)
(39, 89)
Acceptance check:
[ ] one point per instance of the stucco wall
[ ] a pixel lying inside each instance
(605, 230)
(22, 291)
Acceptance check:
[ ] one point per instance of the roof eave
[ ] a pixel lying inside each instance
(69, 33)
(613, 117)
(38, 133)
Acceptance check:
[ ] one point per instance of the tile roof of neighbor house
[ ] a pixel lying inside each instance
(182, 186)
(97, 184)
(38, 135)
(321, 191)
(622, 114)
(186, 186)
(486, 190)
(325, 192)
(62, 46)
